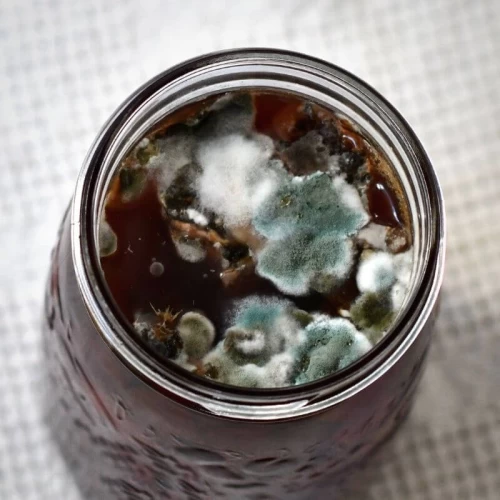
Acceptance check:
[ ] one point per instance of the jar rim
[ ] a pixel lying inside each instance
(204, 394)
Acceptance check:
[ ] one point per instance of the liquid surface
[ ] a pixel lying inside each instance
(257, 239)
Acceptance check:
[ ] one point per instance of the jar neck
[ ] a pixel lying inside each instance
(310, 79)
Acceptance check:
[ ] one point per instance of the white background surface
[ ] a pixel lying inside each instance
(64, 67)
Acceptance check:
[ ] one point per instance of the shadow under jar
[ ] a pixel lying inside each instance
(134, 426)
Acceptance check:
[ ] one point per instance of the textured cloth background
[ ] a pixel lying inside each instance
(65, 66)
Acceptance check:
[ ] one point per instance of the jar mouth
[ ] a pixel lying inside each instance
(270, 70)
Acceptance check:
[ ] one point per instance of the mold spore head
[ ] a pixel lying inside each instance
(307, 155)
(248, 343)
(231, 113)
(108, 242)
(262, 327)
(376, 272)
(190, 250)
(302, 262)
(360, 346)
(331, 344)
(197, 333)
(384, 280)
(314, 204)
(260, 313)
(373, 235)
(275, 373)
(246, 346)
(179, 192)
(145, 150)
(373, 313)
(132, 182)
(175, 151)
(218, 365)
(235, 176)
(350, 164)
(403, 264)
(329, 260)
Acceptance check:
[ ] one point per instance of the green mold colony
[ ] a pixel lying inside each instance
(309, 223)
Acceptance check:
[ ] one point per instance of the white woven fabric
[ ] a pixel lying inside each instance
(64, 67)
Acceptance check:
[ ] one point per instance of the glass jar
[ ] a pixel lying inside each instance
(132, 427)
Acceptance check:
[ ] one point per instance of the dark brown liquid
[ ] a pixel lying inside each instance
(382, 203)
(279, 117)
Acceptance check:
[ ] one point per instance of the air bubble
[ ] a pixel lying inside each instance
(156, 269)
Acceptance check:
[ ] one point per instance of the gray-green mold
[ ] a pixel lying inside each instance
(308, 222)
(331, 344)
